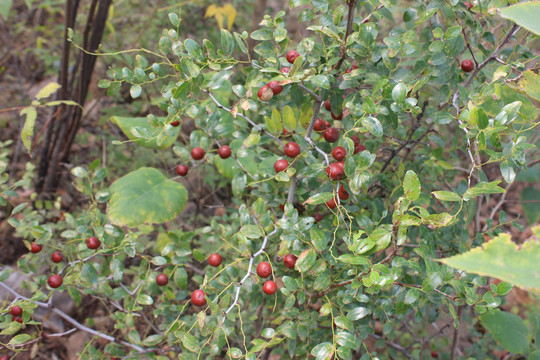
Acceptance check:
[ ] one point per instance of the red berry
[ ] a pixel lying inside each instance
(55, 281)
(270, 287)
(327, 105)
(281, 165)
(292, 55)
(276, 88)
(214, 260)
(285, 70)
(5, 357)
(337, 117)
(162, 280)
(467, 65)
(331, 134)
(35, 248)
(175, 123)
(18, 319)
(342, 193)
(331, 203)
(57, 257)
(320, 125)
(359, 148)
(291, 149)
(318, 217)
(224, 151)
(289, 261)
(355, 139)
(93, 242)
(16, 310)
(468, 5)
(197, 153)
(197, 298)
(339, 153)
(435, 354)
(264, 269)
(335, 171)
(182, 170)
(282, 207)
(265, 93)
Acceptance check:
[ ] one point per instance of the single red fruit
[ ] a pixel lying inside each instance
(331, 135)
(285, 70)
(292, 55)
(342, 193)
(18, 319)
(468, 5)
(224, 151)
(93, 242)
(289, 261)
(5, 357)
(197, 153)
(435, 354)
(355, 139)
(337, 117)
(318, 217)
(331, 203)
(339, 153)
(214, 260)
(15, 310)
(335, 171)
(57, 257)
(270, 287)
(35, 248)
(182, 170)
(264, 269)
(175, 123)
(319, 125)
(359, 148)
(327, 105)
(467, 65)
(291, 149)
(276, 88)
(282, 207)
(281, 165)
(265, 93)
(162, 280)
(197, 298)
(55, 281)
(349, 70)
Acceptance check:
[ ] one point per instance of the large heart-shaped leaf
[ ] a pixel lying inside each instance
(145, 196)
(508, 329)
(501, 258)
(141, 132)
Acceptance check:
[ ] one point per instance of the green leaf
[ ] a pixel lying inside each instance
(181, 278)
(227, 42)
(268, 333)
(135, 91)
(48, 90)
(399, 93)
(274, 124)
(19, 339)
(528, 83)
(251, 231)
(5, 6)
(158, 139)
(446, 195)
(373, 125)
(508, 170)
(531, 209)
(524, 14)
(502, 259)
(319, 198)
(289, 120)
(320, 81)
(189, 341)
(145, 299)
(483, 188)
(145, 196)
(508, 329)
(353, 259)
(411, 185)
(194, 49)
(152, 340)
(358, 313)
(306, 260)
(28, 129)
(318, 239)
(323, 351)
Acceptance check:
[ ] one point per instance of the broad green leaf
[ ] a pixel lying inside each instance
(508, 329)
(152, 340)
(323, 351)
(483, 188)
(528, 83)
(508, 170)
(227, 42)
(189, 341)
(306, 260)
(373, 125)
(194, 49)
(319, 198)
(135, 91)
(532, 208)
(320, 81)
(502, 259)
(5, 6)
(48, 90)
(318, 239)
(411, 185)
(289, 120)
(524, 14)
(226, 167)
(446, 195)
(353, 259)
(399, 92)
(358, 313)
(180, 278)
(535, 355)
(145, 196)
(159, 139)
(19, 339)
(28, 129)
(145, 299)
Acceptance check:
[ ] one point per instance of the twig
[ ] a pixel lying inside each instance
(393, 345)
(310, 92)
(420, 287)
(497, 206)
(242, 116)
(455, 341)
(350, 22)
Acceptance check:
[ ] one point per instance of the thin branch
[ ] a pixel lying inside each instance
(350, 22)
(455, 341)
(393, 345)
(310, 92)
(497, 206)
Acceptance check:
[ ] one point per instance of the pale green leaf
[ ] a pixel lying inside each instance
(28, 129)
(48, 90)
(411, 185)
(508, 329)
(158, 139)
(524, 14)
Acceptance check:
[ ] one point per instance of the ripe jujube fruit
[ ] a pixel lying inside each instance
(285, 70)
(182, 170)
(331, 134)
(270, 287)
(93, 242)
(197, 153)
(57, 257)
(281, 165)
(214, 260)
(55, 281)
(264, 269)
(35, 248)
(335, 171)
(197, 298)
(320, 125)
(342, 193)
(16, 310)
(162, 280)
(289, 261)
(276, 88)
(468, 5)
(331, 203)
(291, 149)
(339, 153)
(292, 55)
(327, 105)
(467, 65)
(359, 148)
(175, 123)
(318, 217)
(337, 117)
(224, 151)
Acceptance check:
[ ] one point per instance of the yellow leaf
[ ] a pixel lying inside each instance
(220, 12)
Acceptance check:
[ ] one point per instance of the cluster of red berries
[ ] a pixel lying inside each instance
(198, 153)
(272, 88)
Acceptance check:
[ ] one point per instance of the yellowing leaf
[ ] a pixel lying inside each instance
(48, 90)
(28, 129)
(220, 12)
(529, 84)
